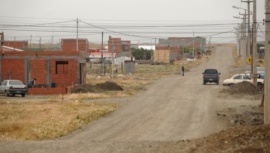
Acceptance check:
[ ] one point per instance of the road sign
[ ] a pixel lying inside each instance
(249, 60)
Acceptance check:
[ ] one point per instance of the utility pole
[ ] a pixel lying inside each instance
(101, 51)
(243, 41)
(77, 40)
(210, 48)
(254, 44)
(244, 37)
(267, 66)
(152, 58)
(248, 39)
(193, 47)
(40, 43)
(112, 57)
(51, 46)
(30, 41)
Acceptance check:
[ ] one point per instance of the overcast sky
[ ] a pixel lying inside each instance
(135, 20)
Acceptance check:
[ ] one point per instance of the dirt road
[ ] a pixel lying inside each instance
(171, 109)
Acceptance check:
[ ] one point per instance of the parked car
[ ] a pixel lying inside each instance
(237, 78)
(13, 87)
(261, 74)
(211, 75)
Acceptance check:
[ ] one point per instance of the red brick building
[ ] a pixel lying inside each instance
(16, 44)
(54, 71)
(71, 44)
(117, 45)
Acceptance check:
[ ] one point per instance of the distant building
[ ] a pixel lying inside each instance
(71, 44)
(119, 46)
(197, 42)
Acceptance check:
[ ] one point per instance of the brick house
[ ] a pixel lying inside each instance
(71, 45)
(16, 44)
(118, 46)
(54, 71)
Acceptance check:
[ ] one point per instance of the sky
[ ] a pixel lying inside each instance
(139, 21)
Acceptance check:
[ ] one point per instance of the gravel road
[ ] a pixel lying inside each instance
(171, 109)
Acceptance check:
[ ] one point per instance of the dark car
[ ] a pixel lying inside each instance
(13, 87)
(211, 75)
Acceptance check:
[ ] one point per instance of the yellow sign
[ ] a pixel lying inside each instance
(249, 60)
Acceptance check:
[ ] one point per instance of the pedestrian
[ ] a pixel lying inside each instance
(183, 70)
(33, 82)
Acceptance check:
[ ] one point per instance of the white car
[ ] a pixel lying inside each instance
(237, 78)
(12, 87)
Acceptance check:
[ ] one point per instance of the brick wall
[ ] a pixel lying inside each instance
(38, 70)
(71, 45)
(13, 69)
(63, 70)
(35, 54)
(114, 44)
(64, 74)
(16, 44)
(47, 91)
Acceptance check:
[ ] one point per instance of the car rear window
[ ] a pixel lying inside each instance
(15, 82)
(211, 71)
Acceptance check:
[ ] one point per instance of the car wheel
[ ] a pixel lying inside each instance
(23, 95)
(204, 82)
(13, 95)
(217, 82)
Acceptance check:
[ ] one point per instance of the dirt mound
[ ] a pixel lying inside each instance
(109, 86)
(86, 88)
(244, 88)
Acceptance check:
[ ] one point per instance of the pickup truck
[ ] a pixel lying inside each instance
(13, 87)
(237, 78)
(211, 75)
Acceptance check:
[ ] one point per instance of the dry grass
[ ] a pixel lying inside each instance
(144, 75)
(55, 116)
(47, 120)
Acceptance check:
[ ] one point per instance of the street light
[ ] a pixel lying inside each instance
(245, 49)
(249, 31)
(240, 8)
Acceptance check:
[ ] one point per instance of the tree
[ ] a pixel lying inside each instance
(141, 54)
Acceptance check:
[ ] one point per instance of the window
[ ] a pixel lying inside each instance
(4, 83)
(238, 77)
(15, 82)
(211, 71)
(61, 67)
(247, 77)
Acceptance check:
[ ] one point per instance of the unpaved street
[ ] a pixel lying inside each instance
(171, 109)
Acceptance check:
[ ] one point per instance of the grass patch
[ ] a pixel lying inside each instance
(144, 75)
(40, 121)
(56, 116)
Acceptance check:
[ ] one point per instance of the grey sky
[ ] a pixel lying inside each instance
(155, 16)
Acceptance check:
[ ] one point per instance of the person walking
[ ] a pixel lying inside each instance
(183, 70)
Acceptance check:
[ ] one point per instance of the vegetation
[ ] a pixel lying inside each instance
(141, 54)
(56, 116)
(39, 121)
